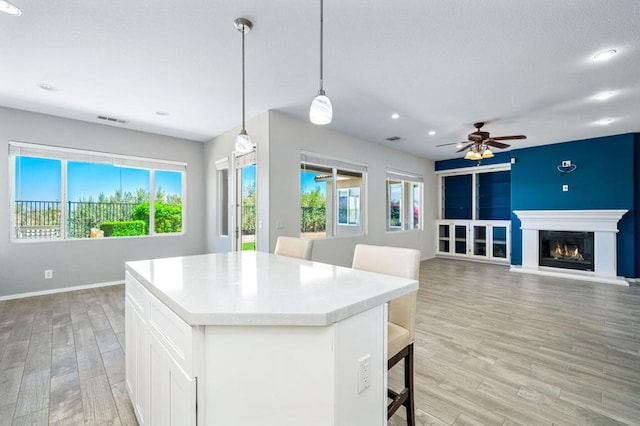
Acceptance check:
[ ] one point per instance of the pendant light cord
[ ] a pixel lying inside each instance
(243, 31)
(321, 42)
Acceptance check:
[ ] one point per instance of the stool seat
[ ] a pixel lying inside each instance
(399, 262)
(398, 338)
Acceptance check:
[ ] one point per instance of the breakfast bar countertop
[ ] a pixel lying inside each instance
(263, 289)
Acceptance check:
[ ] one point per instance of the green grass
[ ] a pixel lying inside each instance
(249, 246)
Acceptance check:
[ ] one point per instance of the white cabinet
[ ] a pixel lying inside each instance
(473, 239)
(161, 392)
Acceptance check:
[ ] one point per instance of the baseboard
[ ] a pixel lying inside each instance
(59, 290)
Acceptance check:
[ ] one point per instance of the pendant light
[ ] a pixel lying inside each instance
(243, 140)
(7, 7)
(321, 111)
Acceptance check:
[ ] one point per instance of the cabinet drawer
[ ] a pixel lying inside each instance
(138, 296)
(174, 334)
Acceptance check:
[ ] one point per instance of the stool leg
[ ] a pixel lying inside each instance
(408, 383)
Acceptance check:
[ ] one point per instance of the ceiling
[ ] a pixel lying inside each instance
(524, 67)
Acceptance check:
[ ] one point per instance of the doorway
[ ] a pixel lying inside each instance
(245, 194)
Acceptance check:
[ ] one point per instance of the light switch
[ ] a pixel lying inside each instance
(279, 224)
(565, 188)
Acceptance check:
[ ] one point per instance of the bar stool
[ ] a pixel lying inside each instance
(294, 247)
(400, 262)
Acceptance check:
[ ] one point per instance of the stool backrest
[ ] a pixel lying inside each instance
(294, 247)
(399, 262)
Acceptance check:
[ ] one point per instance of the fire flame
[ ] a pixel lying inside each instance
(565, 252)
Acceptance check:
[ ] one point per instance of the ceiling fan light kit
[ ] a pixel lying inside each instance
(321, 111)
(243, 142)
(479, 144)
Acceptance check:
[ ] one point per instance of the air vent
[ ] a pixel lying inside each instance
(112, 119)
(393, 138)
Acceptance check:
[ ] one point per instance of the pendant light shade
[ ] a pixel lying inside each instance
(7, 7)
(243, 140)
(321, 111)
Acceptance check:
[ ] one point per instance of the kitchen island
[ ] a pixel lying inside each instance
(251, 338)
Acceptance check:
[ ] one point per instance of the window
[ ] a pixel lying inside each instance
(60, 193)
(323, 214)
(222, 166)
(404, 201)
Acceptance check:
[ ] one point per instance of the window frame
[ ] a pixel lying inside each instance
(308, 159)
(407, 182)
(64, 155)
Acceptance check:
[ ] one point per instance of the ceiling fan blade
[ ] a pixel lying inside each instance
(506, 138)
(451, 143)
(464, 148)
(492, 142)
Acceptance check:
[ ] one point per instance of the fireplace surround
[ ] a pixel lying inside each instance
(603, 224)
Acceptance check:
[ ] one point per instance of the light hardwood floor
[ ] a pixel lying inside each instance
(500, 348)
(492, 347)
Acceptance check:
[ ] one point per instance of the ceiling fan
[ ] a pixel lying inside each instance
(479, 143)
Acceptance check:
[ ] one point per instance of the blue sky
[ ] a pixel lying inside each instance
(307, 184)
(38, 179)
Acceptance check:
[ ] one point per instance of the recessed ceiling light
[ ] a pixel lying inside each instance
(10, 8)
(604, 121)
(604, 55)
(603, 96)
(162, 113)
(432, 132)
(47, 87)
(395, 115)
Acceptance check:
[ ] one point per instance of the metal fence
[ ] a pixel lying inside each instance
(42, 219)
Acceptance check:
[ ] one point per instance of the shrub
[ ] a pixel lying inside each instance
(168, 217)
(123, 229)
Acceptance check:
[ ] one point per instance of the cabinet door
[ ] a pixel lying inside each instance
(500, 249)
(460, 238)
(136, 360)
(172, 392)
(444, 238)
(159, 395)
(182, 395)
(480, 240)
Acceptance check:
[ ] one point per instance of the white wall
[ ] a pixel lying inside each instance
(220, 147)
(85, 262)
(288, 136)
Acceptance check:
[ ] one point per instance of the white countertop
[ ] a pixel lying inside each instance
(256, 288)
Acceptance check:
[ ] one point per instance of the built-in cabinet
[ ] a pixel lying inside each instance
(479, 240)
(475, 213)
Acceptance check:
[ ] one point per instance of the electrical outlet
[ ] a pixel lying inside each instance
(566, 163)
(48, 274)
(364, 369)
(565, 188)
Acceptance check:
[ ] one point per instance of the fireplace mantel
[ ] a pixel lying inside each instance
(604, 225)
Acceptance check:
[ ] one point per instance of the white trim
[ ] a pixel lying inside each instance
(475, 169)
(59, 290)
(62, 153)
(574, 275)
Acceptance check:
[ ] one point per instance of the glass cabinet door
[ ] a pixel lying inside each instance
(480, 240)
(444, 239)
(460, 239)
(499, 242)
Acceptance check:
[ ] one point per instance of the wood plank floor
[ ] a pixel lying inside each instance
(500, 348)
(492, 348)
(62, 359)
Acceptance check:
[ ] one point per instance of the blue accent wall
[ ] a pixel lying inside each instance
(607, 176)
(603, 179)
(636, 170)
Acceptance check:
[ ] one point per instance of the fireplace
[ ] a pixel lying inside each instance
(592, 232)
(566, 249)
